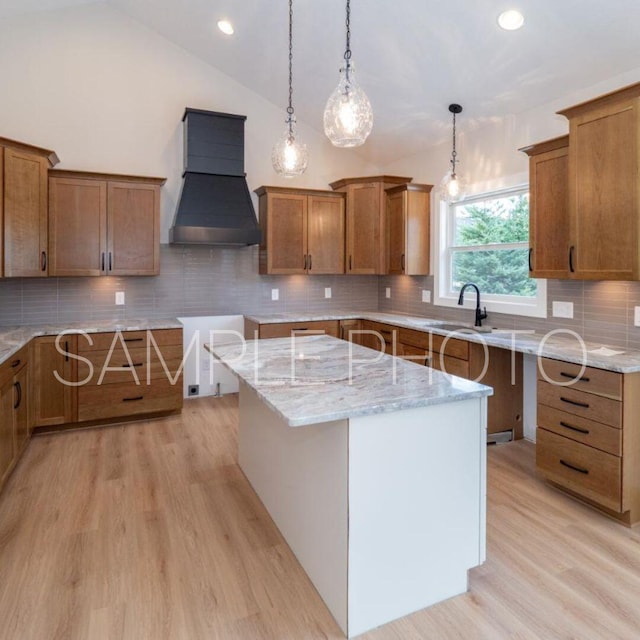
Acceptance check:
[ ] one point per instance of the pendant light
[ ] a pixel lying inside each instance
(289, 156)
(453, 186)
(348, 118)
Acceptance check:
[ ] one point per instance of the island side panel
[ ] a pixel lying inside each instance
(417, 493)
(300, 474)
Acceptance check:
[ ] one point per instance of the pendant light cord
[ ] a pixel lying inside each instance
(453, 151)
(290, 107)
(347, 51)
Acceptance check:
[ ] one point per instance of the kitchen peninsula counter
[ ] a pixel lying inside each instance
(374, 471)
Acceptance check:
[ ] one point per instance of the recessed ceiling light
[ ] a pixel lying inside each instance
(226, 27)
(510, 20)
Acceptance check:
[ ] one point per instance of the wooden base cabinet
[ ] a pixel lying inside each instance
(15, 425)
(588, 442)
(102, 224)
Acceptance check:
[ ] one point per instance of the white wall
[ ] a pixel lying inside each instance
(108, 95)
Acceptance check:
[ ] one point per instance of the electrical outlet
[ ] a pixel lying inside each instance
(426, 295)
(327, 292)
(636, 316)
(275, 294)
(194, 389)
(387, 292)
(562, 309)
(206, 364)
(119, 297)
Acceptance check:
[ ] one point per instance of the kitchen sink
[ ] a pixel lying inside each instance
(453, 326)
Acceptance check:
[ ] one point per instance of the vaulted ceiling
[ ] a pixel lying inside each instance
(413, 58)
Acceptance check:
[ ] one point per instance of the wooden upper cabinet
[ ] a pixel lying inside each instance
(302, 231)
(25, 209)
(408, 223)
(366, 228)
(103, 224)
(604, 197)
(549, 208)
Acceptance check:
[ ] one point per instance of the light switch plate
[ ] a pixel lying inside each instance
(387, 292)
(119, 297)
(275, 294)
(562, 309)
(327, 292)
(426, 295)
(636, 316)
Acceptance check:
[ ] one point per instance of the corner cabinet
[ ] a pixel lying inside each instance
(366, 225)
(302, 231)
(549, 208)
(408, 212)
(103, 224)
(23, 209)
(604, 189)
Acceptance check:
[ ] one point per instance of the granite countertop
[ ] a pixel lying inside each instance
(12, 339)
(558, 345)
(309, 380)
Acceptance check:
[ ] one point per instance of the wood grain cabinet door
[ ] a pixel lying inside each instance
(364, 228)
(77, 227)
(25, 214)
(286, 231)
(22, 422)
(133, 229)
(325, 238)
(396, 205)
(7, 431)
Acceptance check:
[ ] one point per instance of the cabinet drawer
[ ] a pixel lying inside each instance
(452, 346)
(96, 402)
(591, 473)
(594, 434)
(103, 363)
(284, 329)
(132, 339)
(578, 403)
(447, 364)
(414, 354)
(13, 364)
(598, 381)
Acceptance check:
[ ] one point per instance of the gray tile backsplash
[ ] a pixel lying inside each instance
(193, 281)
(602, 311)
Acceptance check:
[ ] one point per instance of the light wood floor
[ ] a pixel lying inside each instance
(150, 531)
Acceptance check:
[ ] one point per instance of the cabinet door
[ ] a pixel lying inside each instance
(549, 214)
(77, 227)
(25, 214)
(396, 204)
(603, 173)
(133, 229)
(325, 241)
(22, 422)
(53, 401)
(286, 233)
(364, 228)
(7, 432)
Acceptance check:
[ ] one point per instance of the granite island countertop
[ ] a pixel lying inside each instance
(12, 339)
(310, 380)
(556, 344)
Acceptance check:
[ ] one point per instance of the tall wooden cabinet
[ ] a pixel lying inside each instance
(103, 224)
(366, 227)
(23, 209)
(549, 208)
(604, 188)
(302, 231)
(408, 210)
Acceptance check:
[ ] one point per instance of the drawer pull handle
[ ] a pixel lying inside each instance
(66, 351)
(568, 426)
(15, 363)
(584, 405)
(133, 339)
(134, 364)
(574, 468)
(134, 399)
(578, 379)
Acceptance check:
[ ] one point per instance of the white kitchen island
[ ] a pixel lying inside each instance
(373, 469)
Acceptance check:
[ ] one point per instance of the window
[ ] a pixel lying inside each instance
(485, 240)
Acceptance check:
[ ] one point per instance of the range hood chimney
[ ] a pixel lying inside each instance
(215, 206)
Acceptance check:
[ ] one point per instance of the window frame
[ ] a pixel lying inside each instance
(445, 249)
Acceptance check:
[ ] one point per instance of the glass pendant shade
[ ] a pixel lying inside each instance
(290, 156)
(453, 187)
(348, 117)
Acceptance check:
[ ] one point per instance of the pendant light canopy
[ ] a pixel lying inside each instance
(348, 117)
(453, 187)
(289, 156)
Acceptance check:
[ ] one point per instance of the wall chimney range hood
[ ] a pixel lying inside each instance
(215, 206)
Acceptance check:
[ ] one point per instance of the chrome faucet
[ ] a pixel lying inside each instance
(480, 314)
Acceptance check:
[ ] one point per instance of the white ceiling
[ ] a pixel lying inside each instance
(413, 57)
